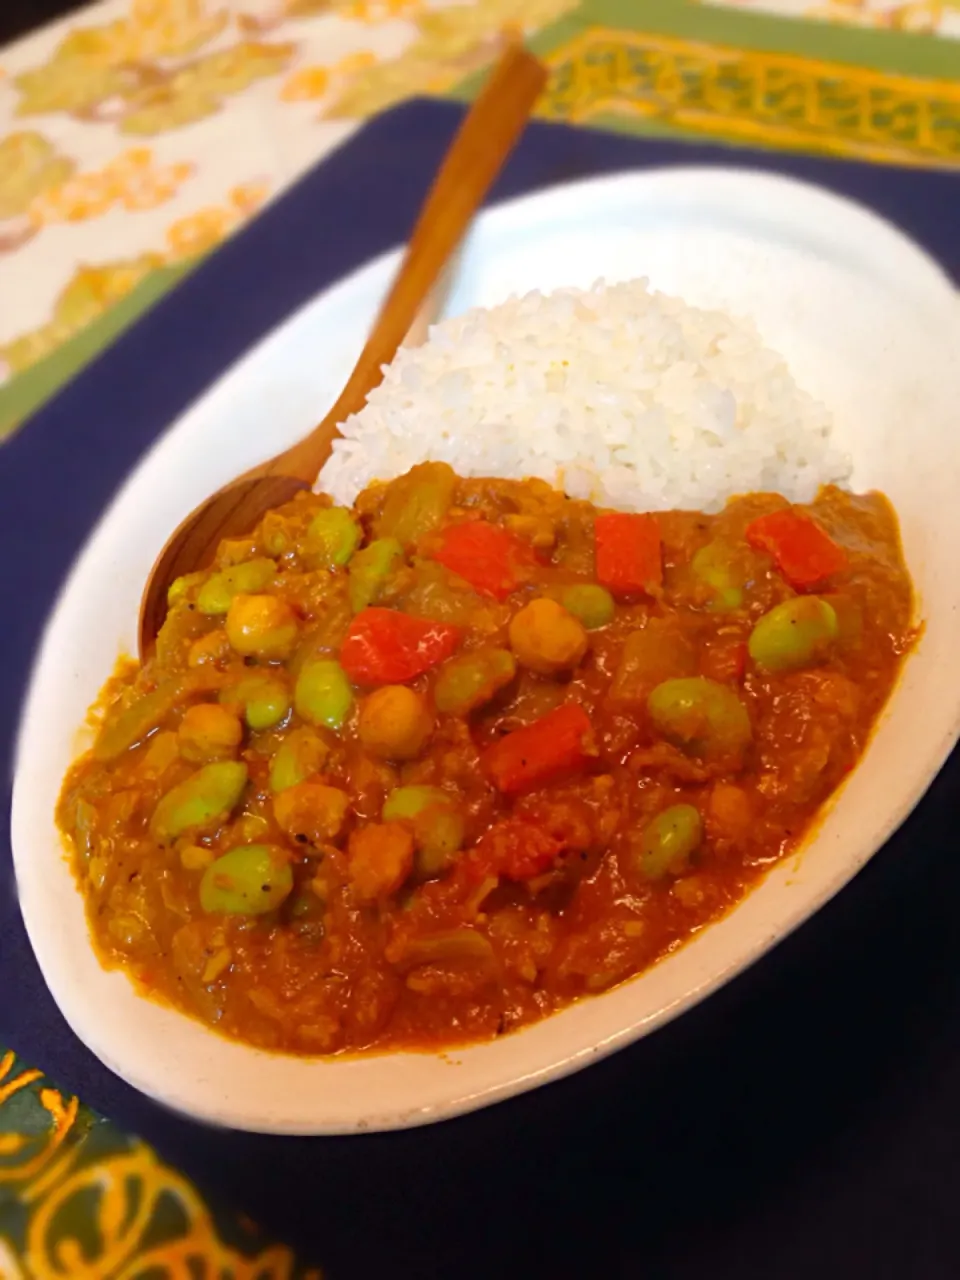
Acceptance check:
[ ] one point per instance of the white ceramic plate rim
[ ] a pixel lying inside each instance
(531, 1057)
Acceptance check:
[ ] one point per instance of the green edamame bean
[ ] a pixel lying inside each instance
(207, 733)
(302, 754)
(369, 570)
(204, 800)
(332, 537)
(247, 881)
(264, 697)
(467, 682)
(711, 564)
(180, 587)
(437, 822)
(592, 605)
(438, 835)
(669, 841)
(794, 634)
(215, 595)
(705, 717)
(323, 694)
(407, 802)
(660, 651)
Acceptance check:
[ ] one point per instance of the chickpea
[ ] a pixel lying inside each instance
(546, 638)
(209, 650)
(208, 732)
(311, 812)
(380, 857)
(261, 627)
(395, 723)
(730, 813)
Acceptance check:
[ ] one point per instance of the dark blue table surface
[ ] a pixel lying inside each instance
(806, 1117)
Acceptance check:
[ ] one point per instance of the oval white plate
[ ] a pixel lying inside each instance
(867, 322)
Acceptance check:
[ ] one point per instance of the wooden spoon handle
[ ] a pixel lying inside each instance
(475, 157)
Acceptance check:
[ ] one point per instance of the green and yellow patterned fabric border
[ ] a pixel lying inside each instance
(137, 135)
(80, 1199)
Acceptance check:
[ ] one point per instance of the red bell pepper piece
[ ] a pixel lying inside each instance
(514, 849)
(802, 551)
(385, 647)
(628, 552)
(494, 561)
(555, 744)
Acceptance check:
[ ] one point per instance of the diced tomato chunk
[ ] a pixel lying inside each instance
(628, 552)
(515, 850)
(383, 646)
(556, 744)
(493, 560)
(803, 552)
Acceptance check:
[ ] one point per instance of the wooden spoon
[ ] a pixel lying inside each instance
(477, 154)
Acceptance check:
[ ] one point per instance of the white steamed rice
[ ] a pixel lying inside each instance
(618, 394)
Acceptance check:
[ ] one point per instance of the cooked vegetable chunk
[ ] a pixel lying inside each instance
(629, 556)
(383, 646)
(491, 559)
(803, 553)
(557, 743)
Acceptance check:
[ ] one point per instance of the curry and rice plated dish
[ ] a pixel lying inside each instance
(423, 764)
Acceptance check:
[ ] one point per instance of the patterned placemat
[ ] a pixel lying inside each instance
(139, 134)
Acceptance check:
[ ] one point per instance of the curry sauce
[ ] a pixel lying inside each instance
(425, 770)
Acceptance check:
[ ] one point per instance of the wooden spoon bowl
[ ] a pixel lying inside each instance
(476, 156)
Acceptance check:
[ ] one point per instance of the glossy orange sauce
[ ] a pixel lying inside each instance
(549, 896)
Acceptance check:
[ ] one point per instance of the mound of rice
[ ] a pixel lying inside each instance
(618, 394)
